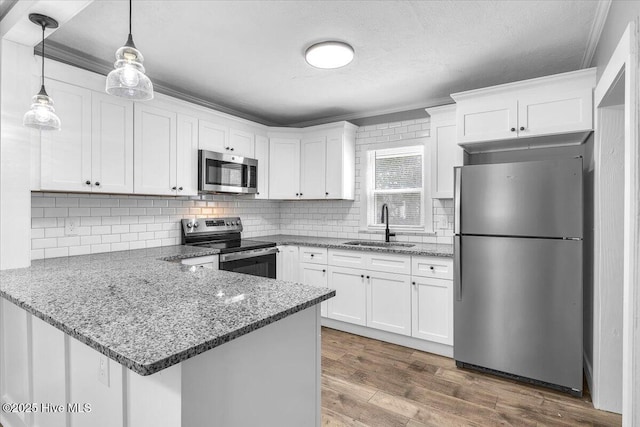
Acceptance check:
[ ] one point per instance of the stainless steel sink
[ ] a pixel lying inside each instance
(379, 244)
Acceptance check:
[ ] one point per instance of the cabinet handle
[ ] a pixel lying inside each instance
(311, 255)
(179, 188)
(226, 148)
(97, 184)
(413, 283)
(324, 271)
(174, 188)
(231, 148)
(326, 194)
(297, 194)
(513, 129)
(431, 268)
(367, 277)
(521, 127)
(362, 276)
(301, 194)
(87, 182)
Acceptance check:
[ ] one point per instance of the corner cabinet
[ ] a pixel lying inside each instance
(548, 111)
(321, 167)
(93, 152)
(165, 151)
(445, 152)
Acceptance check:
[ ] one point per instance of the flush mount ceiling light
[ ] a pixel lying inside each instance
(128, 80)
(329, 54)
(42, 116)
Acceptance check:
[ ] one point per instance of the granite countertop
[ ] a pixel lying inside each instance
(424, 249)
(146, 313)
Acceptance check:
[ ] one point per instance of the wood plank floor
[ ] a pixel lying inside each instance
(371, 383)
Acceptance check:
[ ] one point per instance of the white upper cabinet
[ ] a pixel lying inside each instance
(111, 144)
(221, 138)
(262, 155)
(445, 152)
(155, 150)
(241, 143)
(213, 137)
(93, 152)
(325, 165)
(313, 159)
(187, 156)
(166, 150)
(284, 168)
(547, 111)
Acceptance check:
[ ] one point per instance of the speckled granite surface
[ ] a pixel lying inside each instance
(146, 313)
(424, 249)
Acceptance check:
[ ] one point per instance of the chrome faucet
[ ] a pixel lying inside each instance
(386, 230)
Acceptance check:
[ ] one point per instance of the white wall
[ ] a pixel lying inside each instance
(341, 218)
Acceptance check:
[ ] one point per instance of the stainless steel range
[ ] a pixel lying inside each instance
(236, 254)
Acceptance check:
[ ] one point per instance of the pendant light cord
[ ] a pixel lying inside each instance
(43, 27)
(130, 1)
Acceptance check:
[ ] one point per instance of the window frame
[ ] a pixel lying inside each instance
(367, 222)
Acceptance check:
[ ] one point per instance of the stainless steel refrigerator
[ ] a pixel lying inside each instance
(518, 271)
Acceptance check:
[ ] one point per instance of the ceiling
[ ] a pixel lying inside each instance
(247, 56)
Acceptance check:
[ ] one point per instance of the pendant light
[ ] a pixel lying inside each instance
(128, 79)
(42, 116)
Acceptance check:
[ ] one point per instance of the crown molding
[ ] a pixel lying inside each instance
(374, 113)
(599, 20)
(73, 57)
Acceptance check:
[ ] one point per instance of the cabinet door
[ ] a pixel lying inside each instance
(284, 168)
(111, 144)
(262, 155)
(487, 120)
(287, 266)
(66, 154)
(213, 137)
(314, 275)
(350, 303)
(547, 112)
(313, 167)
(154, 150)
(187, 156)
(334, 171)
(241, 143)
(389, 302)
(445, 154)
(432, 310)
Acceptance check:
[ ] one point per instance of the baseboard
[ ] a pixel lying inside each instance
(418, 344)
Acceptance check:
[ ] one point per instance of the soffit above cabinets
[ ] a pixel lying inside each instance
(248, 57)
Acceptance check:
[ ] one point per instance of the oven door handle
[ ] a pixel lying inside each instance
(234, 256)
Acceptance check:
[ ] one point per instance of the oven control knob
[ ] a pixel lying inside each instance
(195, 224)
(189, 224)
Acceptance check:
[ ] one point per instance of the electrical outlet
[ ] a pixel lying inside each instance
(103, 370)
(71, 226)
(442, 222)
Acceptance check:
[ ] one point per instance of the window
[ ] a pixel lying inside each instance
(396, 176)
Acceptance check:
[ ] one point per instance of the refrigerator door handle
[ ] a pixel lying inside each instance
(457, 271)
(457, 177)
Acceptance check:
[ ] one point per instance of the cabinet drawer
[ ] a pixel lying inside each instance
(355, 259)
(435, 267)
(313, 255)
(377, 261)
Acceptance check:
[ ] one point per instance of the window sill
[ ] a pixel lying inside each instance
(400, 232)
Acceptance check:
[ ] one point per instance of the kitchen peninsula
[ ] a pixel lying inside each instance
(193, 346)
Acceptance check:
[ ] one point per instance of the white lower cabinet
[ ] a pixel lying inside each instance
(287, 263)
(314, 275)
(389, 302)
(349, 304)
(432, 309)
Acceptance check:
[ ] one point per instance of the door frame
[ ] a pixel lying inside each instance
(624, 61)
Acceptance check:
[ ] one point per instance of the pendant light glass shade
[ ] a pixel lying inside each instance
(128, 79)
(42, 115)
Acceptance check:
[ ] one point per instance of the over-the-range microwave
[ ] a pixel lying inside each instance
(226, 173)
